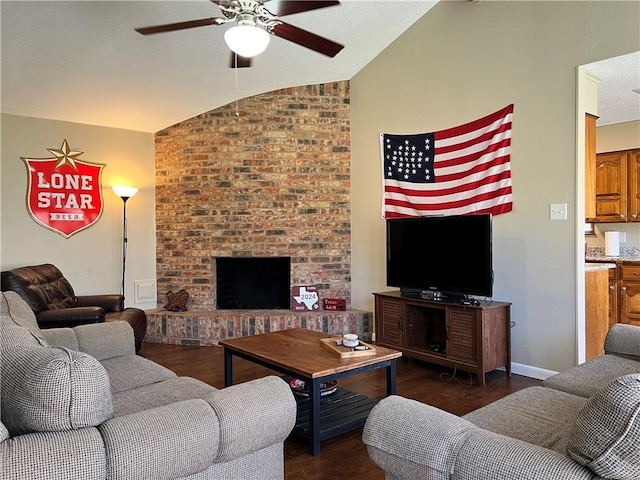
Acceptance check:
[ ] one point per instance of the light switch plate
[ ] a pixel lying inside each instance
(558, 211)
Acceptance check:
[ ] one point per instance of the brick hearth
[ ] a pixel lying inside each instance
(208, 328)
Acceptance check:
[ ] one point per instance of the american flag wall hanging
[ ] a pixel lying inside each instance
(458, 171)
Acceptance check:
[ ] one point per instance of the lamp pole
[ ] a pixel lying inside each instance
(125, 193)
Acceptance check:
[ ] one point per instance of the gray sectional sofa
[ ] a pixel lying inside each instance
(581, 424)
(78, 403)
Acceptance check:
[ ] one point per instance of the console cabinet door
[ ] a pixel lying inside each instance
(461, 335)
(390, 321)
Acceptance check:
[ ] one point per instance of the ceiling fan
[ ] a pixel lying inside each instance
(254, 22)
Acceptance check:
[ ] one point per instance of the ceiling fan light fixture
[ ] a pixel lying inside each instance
(246, 40)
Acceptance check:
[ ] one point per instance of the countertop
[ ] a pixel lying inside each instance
(627, 255)
(593, 267)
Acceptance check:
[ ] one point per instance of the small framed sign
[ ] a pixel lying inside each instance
(305, 298)
(336, 304)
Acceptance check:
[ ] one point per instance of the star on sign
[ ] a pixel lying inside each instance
(65, 155)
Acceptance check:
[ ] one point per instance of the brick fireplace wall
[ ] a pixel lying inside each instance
(271, 181)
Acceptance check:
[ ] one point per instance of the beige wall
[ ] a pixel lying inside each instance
(462, 61)
(621, 136)
(90, 259)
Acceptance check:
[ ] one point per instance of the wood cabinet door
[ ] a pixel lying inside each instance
(611, 187)
(614, 315)
(390, 321)
(461, 335)
(633, 187)
(630, 303)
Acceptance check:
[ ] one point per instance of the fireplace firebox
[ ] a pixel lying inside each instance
(253, 283)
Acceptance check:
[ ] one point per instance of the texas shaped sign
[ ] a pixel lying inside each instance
(64, 193)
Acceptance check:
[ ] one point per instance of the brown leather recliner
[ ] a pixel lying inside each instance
(52, 299)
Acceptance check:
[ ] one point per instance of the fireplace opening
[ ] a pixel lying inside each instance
(253, 283)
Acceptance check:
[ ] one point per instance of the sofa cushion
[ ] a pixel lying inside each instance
(606, 433)
(587, 378)
(134, 371)
(15, 311)
(159, 394)
(52, 389)
(538, 415)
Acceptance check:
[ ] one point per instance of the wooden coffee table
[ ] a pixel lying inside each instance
(298, 353)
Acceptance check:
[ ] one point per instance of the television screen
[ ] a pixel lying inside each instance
(451, 255)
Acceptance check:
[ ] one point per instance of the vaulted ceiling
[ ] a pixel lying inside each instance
(82, 61)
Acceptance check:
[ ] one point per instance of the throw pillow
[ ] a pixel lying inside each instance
(50, 389)
(606, 432)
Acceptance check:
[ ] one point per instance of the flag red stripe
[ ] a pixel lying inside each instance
(475, 169)
(441, 149)
(475, 125)
(439, 164)
(453, 204)
(448, 191)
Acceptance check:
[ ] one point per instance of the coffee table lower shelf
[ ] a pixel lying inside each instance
(340, 412)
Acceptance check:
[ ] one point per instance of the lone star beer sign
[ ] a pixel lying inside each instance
(64, 193)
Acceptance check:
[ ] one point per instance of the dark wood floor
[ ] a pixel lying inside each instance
(346, 456)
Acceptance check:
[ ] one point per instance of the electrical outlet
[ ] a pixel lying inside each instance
(558, 211)
(623, 237)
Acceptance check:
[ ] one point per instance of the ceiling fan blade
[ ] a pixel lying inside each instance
(224, 3)
(238, 61)
(170, 27)
(307, 39)
(280, 8)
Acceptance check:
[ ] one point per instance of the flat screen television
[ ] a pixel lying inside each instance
(450, 256)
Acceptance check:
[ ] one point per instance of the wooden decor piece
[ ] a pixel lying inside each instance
(347, 352)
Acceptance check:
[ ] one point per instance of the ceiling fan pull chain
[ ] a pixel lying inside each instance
(235, 56)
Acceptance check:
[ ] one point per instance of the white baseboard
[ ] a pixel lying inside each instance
(531, 372)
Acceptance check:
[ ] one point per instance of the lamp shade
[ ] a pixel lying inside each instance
(247, 40)
(124, 192)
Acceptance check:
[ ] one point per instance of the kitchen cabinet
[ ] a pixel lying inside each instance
(614, 295)
(590, 166)
(617, 187)
(596, 311)
(473, 338)
(630, 294)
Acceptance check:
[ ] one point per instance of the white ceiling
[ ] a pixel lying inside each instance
(619, 76)
(82, 61)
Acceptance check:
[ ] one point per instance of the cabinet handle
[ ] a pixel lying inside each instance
(634, 216)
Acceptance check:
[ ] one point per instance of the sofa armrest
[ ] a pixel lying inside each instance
(624, 340)
(69, 317)
(253, 415)
(410, 440)
(172, 441)
(45, 455)
(109, 302)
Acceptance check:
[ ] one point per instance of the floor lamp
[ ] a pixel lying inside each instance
(125, 193)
